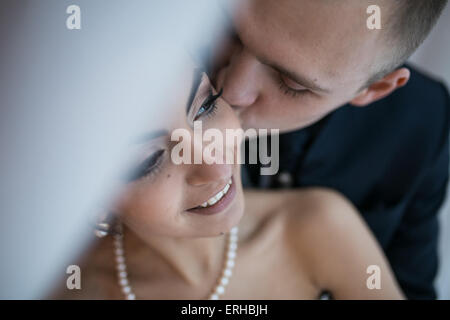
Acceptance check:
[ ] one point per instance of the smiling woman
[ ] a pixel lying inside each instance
(182, 232)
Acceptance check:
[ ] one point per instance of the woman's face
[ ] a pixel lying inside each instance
(168, 199)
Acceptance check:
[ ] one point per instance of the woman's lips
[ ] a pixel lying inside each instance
(220, 205)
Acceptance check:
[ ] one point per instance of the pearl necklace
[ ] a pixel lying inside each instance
(219, 289)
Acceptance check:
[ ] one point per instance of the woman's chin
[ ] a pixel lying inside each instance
(222, 224)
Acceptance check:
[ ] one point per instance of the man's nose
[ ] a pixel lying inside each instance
(239, 80)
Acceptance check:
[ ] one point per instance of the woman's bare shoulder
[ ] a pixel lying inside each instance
(305, 204)
(308, 214)
(317, 215)
(321, 206)
(336, 245)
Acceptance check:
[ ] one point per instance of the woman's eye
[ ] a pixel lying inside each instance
(209, 105)
(150, 165)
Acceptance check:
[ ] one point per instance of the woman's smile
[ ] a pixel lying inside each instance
(218, 202)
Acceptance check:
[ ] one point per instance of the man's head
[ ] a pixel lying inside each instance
(294, 61)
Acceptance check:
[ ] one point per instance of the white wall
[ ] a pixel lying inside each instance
(434, 57)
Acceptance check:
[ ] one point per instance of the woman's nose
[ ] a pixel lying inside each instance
(213, 168)
(209, 174)
(239, 80)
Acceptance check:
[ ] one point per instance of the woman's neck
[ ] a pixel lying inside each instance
(192, 260)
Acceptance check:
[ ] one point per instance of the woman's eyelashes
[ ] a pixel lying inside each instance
(150, 166)
(209, 106)
(153, 163)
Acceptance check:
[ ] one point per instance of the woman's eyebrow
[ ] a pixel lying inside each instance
(197, 78)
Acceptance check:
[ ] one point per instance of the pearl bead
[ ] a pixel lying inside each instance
(126, 289)
(233, 246)
(224, 281)
(123, 274)
(220, 289)
(124, 282)
(121, 266)
(227, 273)
(230, 263)
(131, 296)
(231, 255)
(214, 297)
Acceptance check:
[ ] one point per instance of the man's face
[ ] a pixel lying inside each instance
(294, 61)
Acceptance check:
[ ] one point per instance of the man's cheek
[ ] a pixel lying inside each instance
(305, 114)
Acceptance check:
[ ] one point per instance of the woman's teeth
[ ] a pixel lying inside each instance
(212, 201)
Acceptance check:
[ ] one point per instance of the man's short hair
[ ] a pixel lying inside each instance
(412, 22)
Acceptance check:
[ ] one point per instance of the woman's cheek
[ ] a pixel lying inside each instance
(152, 209)
(158, 201)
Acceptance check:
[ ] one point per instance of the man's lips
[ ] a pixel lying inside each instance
(216, 206)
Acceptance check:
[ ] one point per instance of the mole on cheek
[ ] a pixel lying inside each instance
(168, 176)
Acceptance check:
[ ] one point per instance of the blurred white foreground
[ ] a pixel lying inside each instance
(70, 100)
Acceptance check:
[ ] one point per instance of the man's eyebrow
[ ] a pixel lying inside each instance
(197, 78)
(300, 79)
(150, 136)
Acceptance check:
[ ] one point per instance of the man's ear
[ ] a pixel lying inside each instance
(382, 88)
